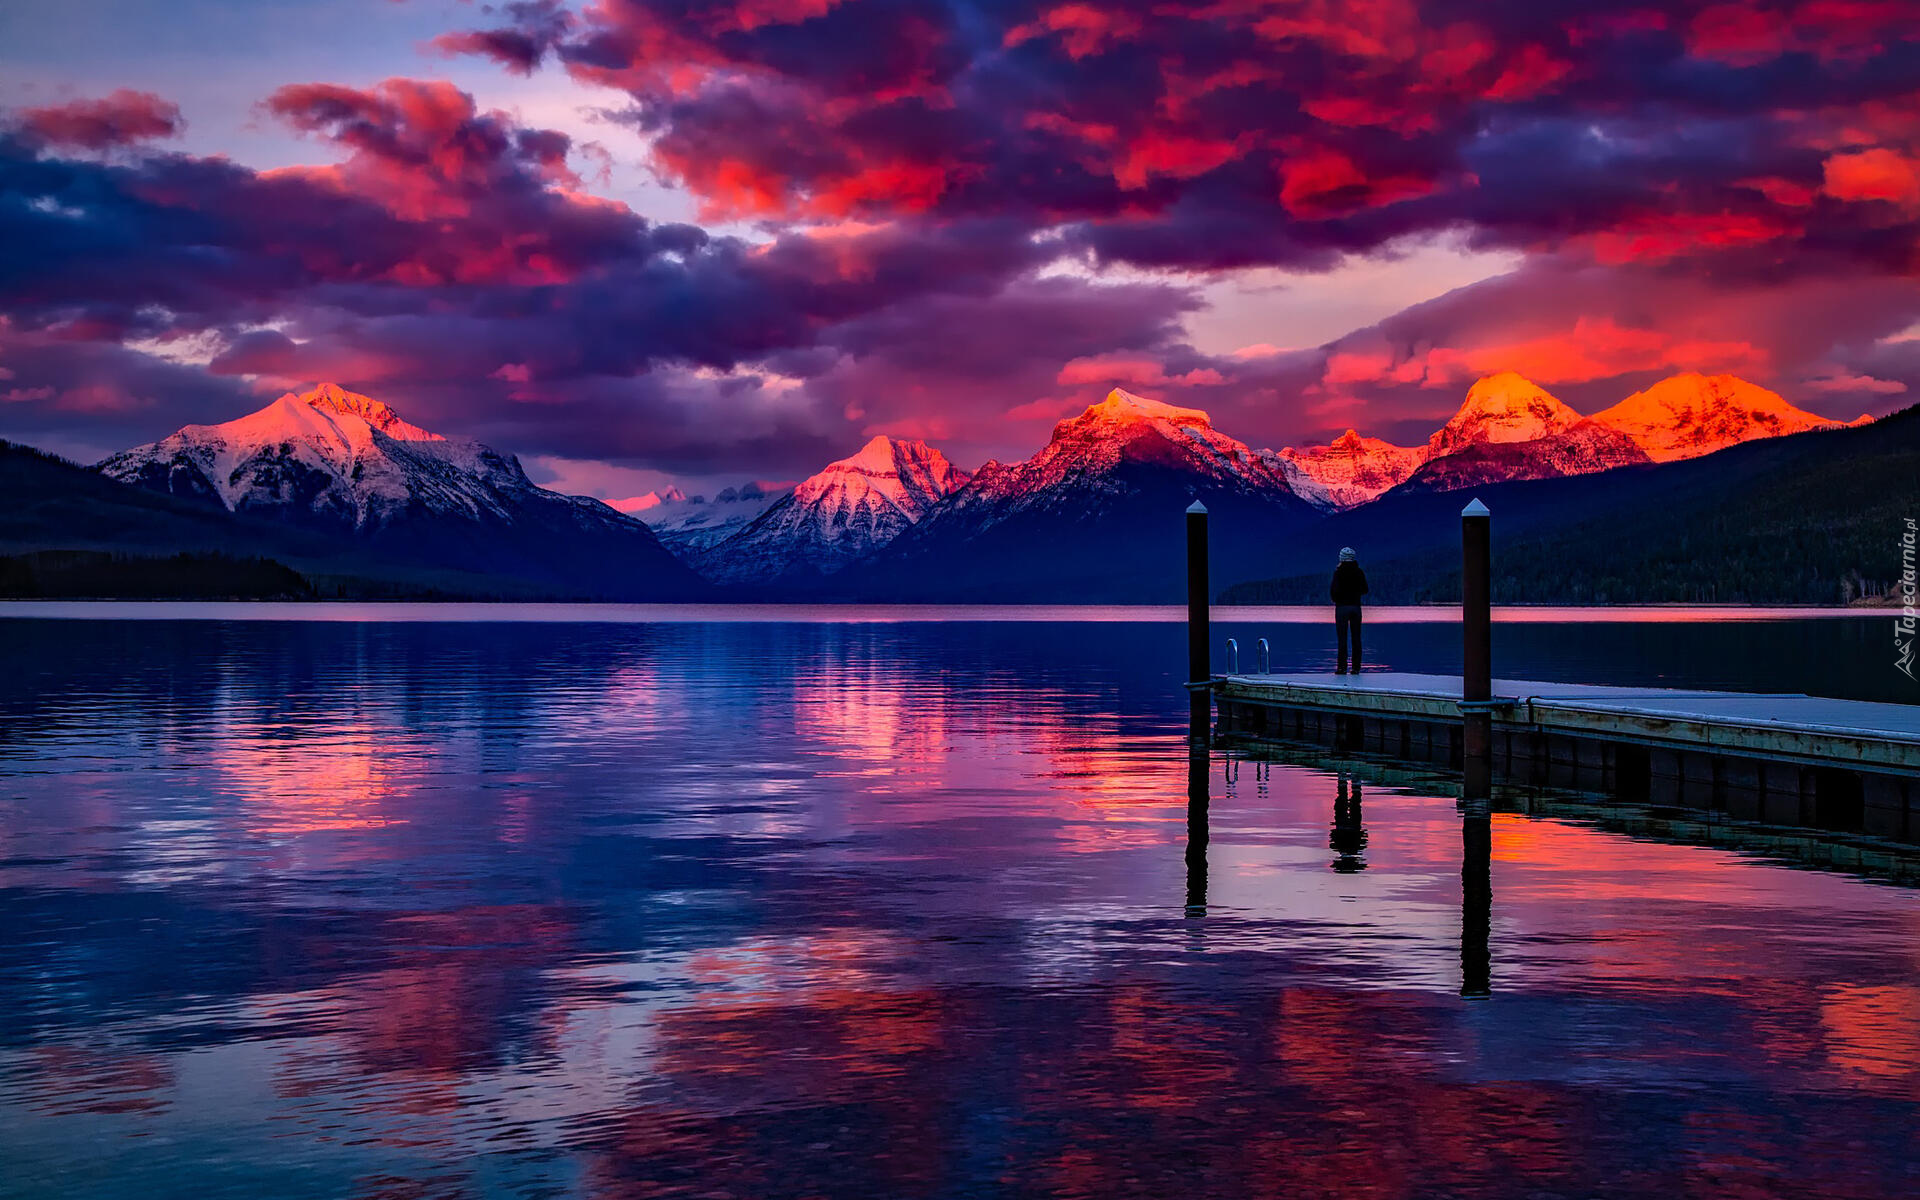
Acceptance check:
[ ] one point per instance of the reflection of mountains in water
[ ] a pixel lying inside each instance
(815, 910)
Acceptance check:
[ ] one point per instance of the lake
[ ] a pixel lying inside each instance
(449, 901)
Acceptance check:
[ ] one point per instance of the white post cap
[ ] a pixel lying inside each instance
(1197, 507)
(1475, 509)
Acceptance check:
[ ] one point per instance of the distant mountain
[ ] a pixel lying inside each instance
(1689, 415)
(1809, 518)
(691, 525)
(1502, 408)
(1349, 470)
(1510, 428)
(344, 464)
(1095, 516)
(845, 513)
(66, 530)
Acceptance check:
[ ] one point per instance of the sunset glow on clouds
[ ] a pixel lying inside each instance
(960, 220)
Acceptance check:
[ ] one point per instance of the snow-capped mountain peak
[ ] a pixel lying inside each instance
(1692, 414)
(347, 464)
(650, 500)
(330, 457)
(691, 525)
(846, 511)
(1505, 407)
(1121, 407)
(332, 398)
(1125, 428)
(909, 476)
(1351, 469)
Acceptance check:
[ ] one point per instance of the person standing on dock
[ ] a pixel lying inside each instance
(1349, 585)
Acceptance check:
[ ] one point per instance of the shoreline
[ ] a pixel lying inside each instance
(483, 611)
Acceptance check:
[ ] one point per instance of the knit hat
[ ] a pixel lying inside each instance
(1347, 554)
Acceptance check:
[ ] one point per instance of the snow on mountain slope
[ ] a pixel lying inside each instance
(1502, 408)
(1509, 428)
(1580, 449)
(692, 525)
(1692, 414)
(1349, 470)
(330, 458)
(345, 463)
(1095, 515)
(1125, 429)
(845, 512)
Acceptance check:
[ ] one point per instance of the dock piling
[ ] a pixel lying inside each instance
(1476, 902)
(1199, 622)
(1199, 787)
(1476, 625)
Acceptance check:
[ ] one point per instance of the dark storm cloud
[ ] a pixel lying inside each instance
(1237, 133)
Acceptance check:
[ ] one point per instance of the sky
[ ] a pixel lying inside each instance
(638, 242)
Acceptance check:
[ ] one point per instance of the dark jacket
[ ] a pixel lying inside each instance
(1349, 583)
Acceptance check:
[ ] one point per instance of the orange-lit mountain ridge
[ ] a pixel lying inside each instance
(1692, 414)
(1509, 428)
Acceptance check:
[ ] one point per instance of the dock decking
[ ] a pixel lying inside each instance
(1786, 758)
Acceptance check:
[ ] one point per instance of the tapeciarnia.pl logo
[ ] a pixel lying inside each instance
(1903, 625)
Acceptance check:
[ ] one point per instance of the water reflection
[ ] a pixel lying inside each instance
(1476, 899)
(851, 911)
(1348, 838)
(1199, 795)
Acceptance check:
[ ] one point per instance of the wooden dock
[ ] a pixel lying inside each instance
(1786, 759)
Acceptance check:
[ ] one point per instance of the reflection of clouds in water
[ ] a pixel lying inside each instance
(344, 776)
(1873, 1034)
(774, 910)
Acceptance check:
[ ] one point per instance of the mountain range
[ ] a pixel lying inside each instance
(691, 525)
(1090, 515)
(1510, 428)
(1808, 519)
(339, 486)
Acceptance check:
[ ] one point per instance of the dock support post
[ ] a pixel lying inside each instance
(1199, 623)
(1476, 901)
(1199, 783)
(1476, 624)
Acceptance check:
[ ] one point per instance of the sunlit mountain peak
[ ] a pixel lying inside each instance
(1504, 407)
(1123, 407)
(331, 397)
(1690, 414)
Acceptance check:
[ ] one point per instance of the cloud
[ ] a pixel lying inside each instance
(1875, 174)
(958, 220)
(1593, 334)
(449, 262)
(1847, 383)
(123, 118)
(1237, 134)
(535, 27)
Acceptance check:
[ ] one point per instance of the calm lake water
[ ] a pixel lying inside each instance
(822, 907)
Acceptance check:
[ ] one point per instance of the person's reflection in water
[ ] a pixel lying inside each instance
(1476, 901)
(1349, 835)
(1199, 779)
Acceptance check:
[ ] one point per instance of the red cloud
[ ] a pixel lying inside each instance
(1667, 235)
(121, 119)
(1876, 174)
(1243, 132)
